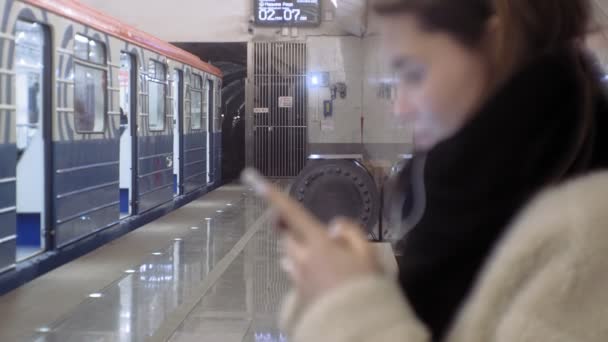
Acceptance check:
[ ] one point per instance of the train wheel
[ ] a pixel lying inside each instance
(339, 188)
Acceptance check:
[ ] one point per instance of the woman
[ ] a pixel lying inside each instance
(504, 104)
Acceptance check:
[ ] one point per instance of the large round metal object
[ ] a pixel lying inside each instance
(338, 188)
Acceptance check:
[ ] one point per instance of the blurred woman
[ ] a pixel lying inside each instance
(504, 104)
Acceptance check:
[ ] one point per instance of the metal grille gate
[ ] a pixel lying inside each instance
(279, 108)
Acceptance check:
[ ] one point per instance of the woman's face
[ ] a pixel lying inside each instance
(441, 82)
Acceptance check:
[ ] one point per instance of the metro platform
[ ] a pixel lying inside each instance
(208, 271)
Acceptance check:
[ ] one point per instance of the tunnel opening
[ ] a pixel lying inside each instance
(231, 58)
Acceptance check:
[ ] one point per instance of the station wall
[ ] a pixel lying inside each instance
(345, 45)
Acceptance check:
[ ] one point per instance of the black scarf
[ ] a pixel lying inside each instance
(531, 134)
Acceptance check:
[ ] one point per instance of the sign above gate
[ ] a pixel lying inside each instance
(287, 12)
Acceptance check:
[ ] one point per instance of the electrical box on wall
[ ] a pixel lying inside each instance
(338, 89)
(328, 109)
(336, 70)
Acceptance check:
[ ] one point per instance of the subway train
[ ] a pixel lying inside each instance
(100, 124)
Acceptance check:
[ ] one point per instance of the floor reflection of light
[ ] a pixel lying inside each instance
(268, 337)
(125, 320)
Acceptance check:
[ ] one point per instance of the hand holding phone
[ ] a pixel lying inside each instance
(317, 259)
(298, 220)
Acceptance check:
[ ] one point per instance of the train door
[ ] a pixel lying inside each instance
(209, 123)
(178, 95)
(32, 45)
(218, 118)
(8, 164)
(195, 135)
(155, 138)
(128, 108)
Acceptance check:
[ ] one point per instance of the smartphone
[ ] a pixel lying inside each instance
(293, 215)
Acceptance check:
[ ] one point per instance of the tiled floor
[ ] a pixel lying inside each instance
(219, 282)
(243, 304)
(207, 272)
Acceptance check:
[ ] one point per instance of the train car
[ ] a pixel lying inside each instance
(98, 122)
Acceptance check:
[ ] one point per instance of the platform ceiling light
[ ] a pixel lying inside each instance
(314, 80)
(157, 253)
(208, 219)
(229, 204)
(95, 295)
(194, 228)
(335, 2)
(43, 330)
(220, 211)
(130, 271)
(177, 239)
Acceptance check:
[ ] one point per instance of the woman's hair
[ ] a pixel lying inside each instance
(527, 28)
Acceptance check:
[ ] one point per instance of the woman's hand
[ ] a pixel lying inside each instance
(318, 259)
(322, 260)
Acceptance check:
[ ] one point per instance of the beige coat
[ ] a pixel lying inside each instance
(547, 281)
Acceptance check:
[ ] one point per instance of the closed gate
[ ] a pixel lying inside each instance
(279, 108)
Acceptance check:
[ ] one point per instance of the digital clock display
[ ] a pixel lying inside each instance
(287, 12)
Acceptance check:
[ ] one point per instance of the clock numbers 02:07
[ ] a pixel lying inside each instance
(266, 14)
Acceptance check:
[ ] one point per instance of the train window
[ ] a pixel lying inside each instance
(211, 104)
(218, 108)
(89, 99)
(89, 50)
(207, 104)
(157, 92)
(29, 55)
(197, 81)
(90, 84)
(81, 47)
(196, 102)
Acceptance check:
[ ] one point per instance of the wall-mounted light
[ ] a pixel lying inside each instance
(318, 79)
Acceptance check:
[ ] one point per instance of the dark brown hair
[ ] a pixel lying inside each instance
(528, 28)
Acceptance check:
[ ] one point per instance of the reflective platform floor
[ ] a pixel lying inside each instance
(206, 272)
